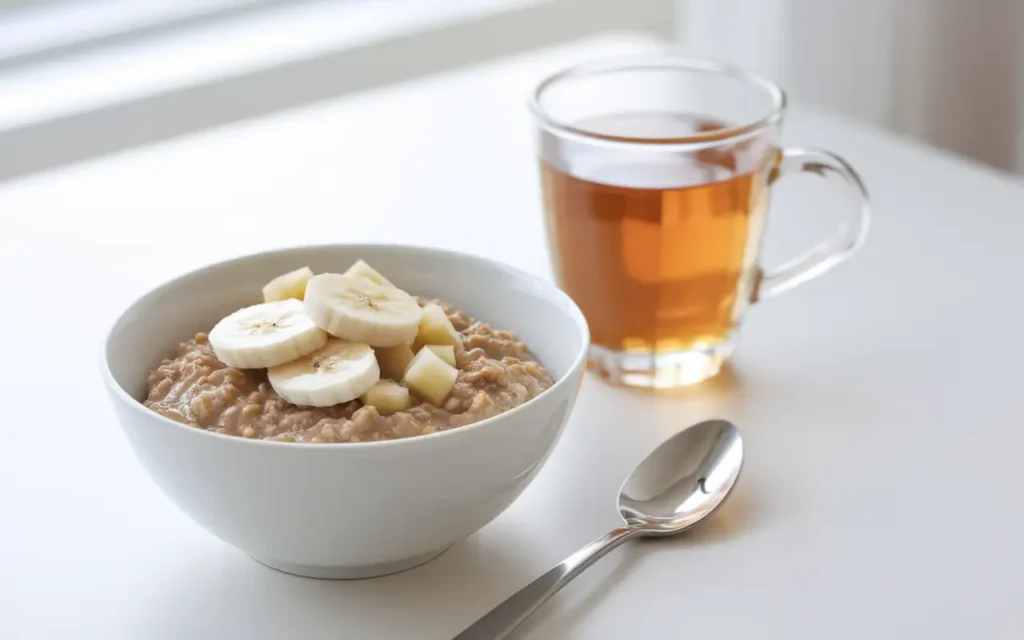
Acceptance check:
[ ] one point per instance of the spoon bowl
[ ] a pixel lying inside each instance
(677, 485)
(684, 480)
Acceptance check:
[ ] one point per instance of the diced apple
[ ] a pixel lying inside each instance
(430, 377)
(387, 397)
(362, 270)
(444, 351)
(393, 361)
(436, 328)
(290, 285)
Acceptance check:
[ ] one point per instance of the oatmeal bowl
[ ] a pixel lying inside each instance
(346, 411)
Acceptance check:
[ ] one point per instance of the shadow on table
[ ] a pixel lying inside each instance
(220, 592)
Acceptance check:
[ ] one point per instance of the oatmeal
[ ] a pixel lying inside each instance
(495, 372)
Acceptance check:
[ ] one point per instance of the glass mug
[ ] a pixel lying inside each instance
(656, 173)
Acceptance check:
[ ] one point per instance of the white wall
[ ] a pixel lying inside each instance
(949, 72)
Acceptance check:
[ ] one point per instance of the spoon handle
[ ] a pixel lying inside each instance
(497, 623)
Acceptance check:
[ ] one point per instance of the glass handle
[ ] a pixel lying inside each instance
(848, 238)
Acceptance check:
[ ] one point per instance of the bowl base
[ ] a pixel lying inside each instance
(348, 573)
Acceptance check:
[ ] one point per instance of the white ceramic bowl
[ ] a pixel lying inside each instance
(348, 510)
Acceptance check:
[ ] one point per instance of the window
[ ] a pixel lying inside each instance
(31, 30)
(85, 77)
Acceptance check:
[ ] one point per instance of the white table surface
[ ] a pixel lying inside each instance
(881, 405)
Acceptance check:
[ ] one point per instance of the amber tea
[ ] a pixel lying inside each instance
(657, 254)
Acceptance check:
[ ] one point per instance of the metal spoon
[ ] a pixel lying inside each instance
(679, 484)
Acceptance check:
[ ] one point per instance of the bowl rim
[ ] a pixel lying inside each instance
(438, 436)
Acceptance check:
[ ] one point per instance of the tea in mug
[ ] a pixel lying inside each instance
(658, 253)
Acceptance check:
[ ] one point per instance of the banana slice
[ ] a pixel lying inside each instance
(430, 377)
(265, 335)
(387, 397)
(338, 372)
(290, 285)
(362, 270)
(356, 309)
